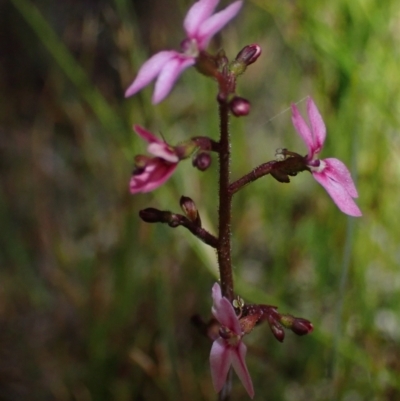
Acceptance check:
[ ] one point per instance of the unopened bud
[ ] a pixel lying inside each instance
(249, 54)
(239, 106)
(202, 160)
(152, 215)
(277, 331)
(190, 210)
(302, 326)
(298, 325)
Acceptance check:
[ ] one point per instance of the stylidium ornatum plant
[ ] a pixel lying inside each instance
(234, 318)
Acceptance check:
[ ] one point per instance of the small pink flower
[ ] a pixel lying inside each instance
(151, 172)
(331, 173)
(200, 26)
(228, 349)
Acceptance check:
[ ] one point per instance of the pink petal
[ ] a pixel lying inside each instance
(338, 193)
(223, 311)
(154, 175)
(197, 14)
(317, 125)
(215, 23)
(337, 170)
(303, 130)
(149, 70)
(239, 364)
(146, 135)
(163, 151)
(169, 74)
(220, 362)
(216, 294)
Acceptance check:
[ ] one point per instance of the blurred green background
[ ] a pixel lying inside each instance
(95, 304)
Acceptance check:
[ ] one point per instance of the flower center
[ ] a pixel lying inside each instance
(230, 337)
(317, 165)
(190, 48)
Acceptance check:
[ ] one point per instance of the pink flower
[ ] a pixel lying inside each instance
(151, 172)
(331, 173)
(228, 349)
(200, 26)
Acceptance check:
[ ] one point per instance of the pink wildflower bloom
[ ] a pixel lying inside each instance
(331, 173)
(228, 349)
(152, 172)
(200, 26)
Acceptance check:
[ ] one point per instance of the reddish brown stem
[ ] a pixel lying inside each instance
(258, 172)
(225, 202)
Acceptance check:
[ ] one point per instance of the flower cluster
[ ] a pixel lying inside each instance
(234, 319)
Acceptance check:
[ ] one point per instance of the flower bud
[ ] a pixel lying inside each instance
(239, 106)
(152, 215)
(298, 325)
(249, 54)
(302, 326)
(202, 160)
(190, 210)
(277, 331)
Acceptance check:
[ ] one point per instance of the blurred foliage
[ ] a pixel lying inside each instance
(95, 304)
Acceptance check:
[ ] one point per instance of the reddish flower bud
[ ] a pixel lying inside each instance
(190, 210)
(151, 215)
(249, 54)
(202, 161)
(277, 331)
(298, 325)
(239, 106)
(302, 326)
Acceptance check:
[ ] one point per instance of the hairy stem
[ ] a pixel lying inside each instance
(258, 172)
(225, 201)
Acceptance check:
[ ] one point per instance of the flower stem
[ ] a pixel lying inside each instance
(225, 202)
(255, 174)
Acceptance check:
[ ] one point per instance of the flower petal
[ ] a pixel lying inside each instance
(157, 147)
(163, 151)
(146, 135)
(220, 362)
(216, 295)
(223, 311)
(317, 125)
(337, 170)
(303, 130)
(154, 175)
(169, 74)
(239, 364)
(338, 193)
(197, 14)
(215, 23)
(149, 70)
